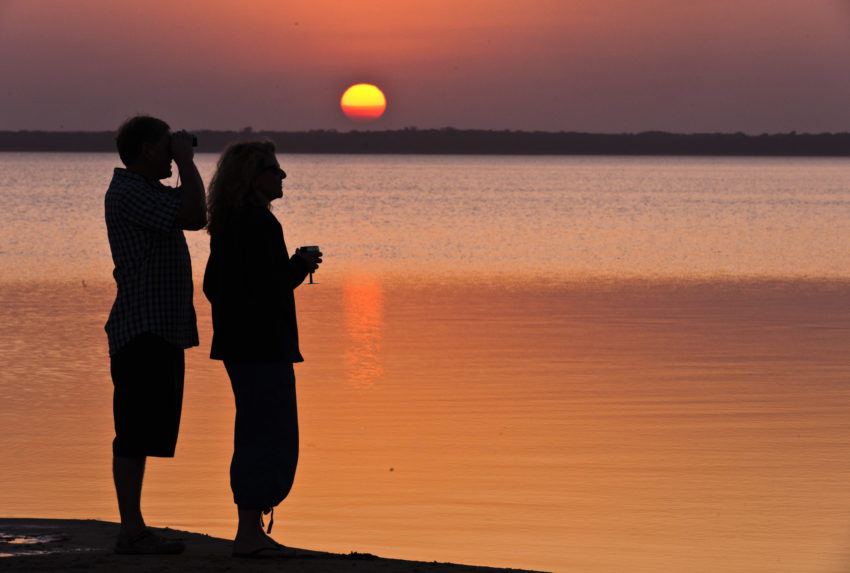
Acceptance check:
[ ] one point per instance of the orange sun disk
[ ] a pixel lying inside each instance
(363, 102)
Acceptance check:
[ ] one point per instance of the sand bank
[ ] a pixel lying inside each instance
(74, 544)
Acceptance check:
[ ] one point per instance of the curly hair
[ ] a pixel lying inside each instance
(232, 184)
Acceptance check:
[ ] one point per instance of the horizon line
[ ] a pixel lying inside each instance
(250, 130)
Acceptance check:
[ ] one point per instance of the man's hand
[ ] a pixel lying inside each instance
(181, 147)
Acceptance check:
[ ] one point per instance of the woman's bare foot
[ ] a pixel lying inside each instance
(250, 537)
(253, 543)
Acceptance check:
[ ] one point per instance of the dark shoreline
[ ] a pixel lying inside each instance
(469, 142)
(75, 544)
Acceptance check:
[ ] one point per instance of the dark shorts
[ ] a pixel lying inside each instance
(147, 374)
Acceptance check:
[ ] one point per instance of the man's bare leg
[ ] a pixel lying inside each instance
(128, 474)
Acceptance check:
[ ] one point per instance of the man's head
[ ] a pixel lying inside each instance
(144, 145)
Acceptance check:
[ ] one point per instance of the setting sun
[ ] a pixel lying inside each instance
(363, 102)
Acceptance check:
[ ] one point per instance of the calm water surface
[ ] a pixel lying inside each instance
(566, 364)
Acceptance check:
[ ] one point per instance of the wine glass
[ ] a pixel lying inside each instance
(310, 249)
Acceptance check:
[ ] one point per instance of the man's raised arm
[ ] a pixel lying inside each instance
(192, 215)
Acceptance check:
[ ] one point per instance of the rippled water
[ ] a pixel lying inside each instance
(555, 217)
(567, 364)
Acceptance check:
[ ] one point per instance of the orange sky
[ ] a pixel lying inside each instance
(585, 65)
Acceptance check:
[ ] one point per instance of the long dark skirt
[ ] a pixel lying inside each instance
(265, 445)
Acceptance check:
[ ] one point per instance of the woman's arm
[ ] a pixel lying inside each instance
(299, 268)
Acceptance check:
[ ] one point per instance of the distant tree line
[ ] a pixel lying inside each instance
(457, 141)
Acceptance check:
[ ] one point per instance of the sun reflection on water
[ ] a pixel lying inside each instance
(363, 309)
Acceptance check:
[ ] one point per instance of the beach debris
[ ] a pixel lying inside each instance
(16, 543)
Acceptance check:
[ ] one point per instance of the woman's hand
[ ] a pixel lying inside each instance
(313, 258)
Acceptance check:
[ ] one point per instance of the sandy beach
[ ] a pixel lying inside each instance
(66, 544)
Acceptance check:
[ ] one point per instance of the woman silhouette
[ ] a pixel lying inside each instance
(249, 281)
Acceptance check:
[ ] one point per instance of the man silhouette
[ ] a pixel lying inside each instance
(152, 319)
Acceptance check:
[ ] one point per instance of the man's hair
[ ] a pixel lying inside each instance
(134, 133)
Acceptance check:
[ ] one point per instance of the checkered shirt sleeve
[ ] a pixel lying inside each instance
(153, 269)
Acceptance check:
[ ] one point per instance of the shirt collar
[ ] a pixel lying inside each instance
(121, 173)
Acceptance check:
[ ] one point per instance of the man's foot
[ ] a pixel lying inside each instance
(149, 543)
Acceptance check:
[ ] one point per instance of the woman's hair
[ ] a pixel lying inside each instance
(232, 185)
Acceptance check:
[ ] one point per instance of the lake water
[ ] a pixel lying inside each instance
(592, 364)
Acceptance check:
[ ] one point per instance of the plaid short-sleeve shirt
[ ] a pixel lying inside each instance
(153, 271)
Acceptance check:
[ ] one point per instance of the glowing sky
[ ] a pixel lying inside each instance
(585, 65)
